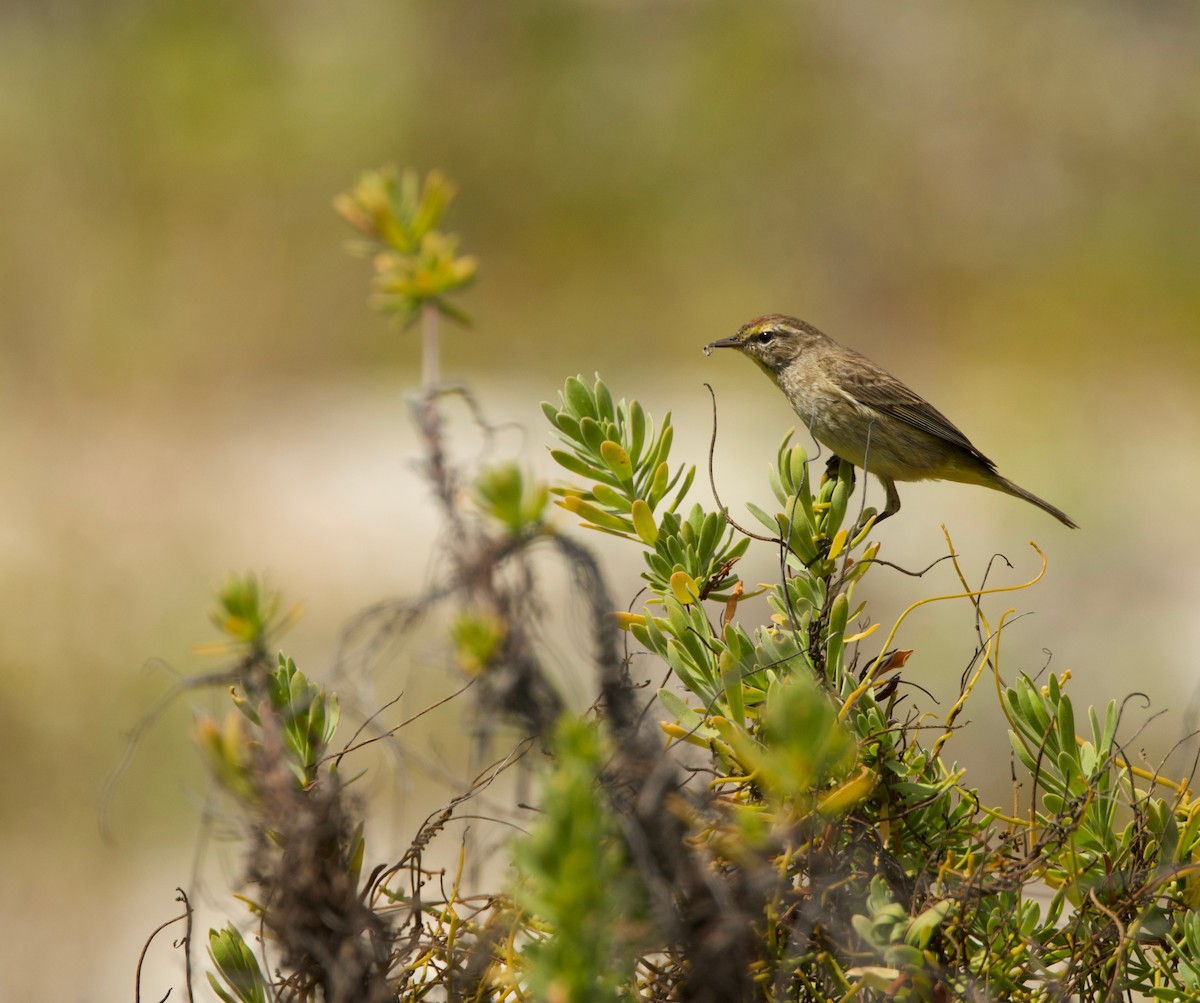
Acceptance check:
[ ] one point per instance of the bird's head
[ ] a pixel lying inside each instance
(773, 341)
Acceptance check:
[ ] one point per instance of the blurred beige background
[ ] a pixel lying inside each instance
(997, 203)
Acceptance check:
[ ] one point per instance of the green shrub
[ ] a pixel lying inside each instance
(771, 826)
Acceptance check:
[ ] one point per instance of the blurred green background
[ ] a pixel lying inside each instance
(999, 203)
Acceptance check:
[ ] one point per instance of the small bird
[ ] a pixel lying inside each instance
(864, 414)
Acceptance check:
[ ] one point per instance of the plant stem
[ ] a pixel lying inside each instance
(429, 351)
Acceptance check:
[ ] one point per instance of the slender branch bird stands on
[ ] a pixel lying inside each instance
(865, 415)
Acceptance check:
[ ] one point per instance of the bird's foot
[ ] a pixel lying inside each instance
(833, 468)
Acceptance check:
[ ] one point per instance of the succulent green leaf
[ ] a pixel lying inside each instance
(712, 525)
(731, 683)
(574, 464)
(608, 496)
(569, 425)
(604, 402)
(661, 449)
(237, 966)
(685, 715)
(658, 485)
(592, 433)
(579, 399)
(923, 927)
(839, 498)
(838, 612)
(637, 431)
(767, 520)
(689, 476)
(596, 516)
(797, 459)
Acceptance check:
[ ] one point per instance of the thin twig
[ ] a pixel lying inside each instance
(712, 480)
(187, 943)
(337, 757)
(178, 688)
(186, 915)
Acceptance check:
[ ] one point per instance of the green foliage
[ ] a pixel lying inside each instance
(801, 746)
(303, 715)
(580, 896)
(416, 265)
(476, 637)
(609, 444)
(811, 525)
(615, 446)
(230, 754)
(307, 715)
(238, 968)
(246, 612)
(877, 872)
(924, 891)
(506, 494)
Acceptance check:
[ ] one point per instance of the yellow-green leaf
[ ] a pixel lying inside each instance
(643, 522)
(596, 516)
(617, 459)
(684, 587)
(846, 795)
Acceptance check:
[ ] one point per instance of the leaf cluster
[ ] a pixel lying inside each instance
(635, 493)
(416, 264)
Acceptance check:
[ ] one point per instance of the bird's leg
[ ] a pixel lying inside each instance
(832, 466)
(893, 499)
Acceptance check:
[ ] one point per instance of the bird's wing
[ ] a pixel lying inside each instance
(872, 386)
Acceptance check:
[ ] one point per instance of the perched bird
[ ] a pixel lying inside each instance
(865, 415)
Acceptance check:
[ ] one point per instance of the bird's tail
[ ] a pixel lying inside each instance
(1007, 486)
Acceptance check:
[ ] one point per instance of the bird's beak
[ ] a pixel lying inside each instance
(730, 342)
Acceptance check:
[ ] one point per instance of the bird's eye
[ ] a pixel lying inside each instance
(764, 337)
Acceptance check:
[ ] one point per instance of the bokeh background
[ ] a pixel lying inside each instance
(999, 203)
